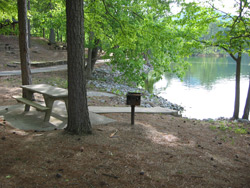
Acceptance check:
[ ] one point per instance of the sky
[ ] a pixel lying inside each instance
(223, 5)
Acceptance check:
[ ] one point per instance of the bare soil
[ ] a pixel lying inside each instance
(158, 151)
(40, 51)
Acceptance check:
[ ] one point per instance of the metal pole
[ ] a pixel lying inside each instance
(132, 114)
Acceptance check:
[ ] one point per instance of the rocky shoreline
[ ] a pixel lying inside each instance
(103, 79)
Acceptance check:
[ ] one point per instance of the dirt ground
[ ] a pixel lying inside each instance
(40, 51)
(158, 151)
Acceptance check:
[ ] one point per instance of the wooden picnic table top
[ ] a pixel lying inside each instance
(47, 90)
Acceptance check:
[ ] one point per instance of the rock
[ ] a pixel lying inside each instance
(243, 120)
(12, 65)
(142, 173)
(58, 175)
(104, 78)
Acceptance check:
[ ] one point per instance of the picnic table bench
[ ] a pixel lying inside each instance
(50, 94)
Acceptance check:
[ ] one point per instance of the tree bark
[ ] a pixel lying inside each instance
(247, 105)
(57, 36)
(52, 36)
(29, 34)
(78, 115)
(23, 44)
(237, 88)
(43, 32)
(89, 71)
(94, 55)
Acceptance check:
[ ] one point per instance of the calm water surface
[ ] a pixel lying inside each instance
(208, 88)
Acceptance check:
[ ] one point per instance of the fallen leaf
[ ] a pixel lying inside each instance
(113, 134)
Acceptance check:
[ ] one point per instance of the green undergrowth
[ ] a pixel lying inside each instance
(236, 127)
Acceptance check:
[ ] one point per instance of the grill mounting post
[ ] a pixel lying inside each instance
(133, 99)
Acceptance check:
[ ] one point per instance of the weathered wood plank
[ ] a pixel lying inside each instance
(31, 103)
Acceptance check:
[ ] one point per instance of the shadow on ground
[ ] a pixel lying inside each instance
(33, 120)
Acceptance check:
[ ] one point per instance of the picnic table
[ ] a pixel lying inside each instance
(50, 94)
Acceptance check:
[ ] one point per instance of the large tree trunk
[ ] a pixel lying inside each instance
(237, 88)
(29, 34)
(89, 71)
(23, 44)
(78, 115)
(247, 105)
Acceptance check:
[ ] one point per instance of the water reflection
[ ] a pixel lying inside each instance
(208, 88)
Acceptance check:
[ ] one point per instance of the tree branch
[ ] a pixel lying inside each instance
(216, 45)
(137, 15)
(220, 10)
(112, 15)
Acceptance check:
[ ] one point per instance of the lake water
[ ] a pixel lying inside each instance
(207, 89)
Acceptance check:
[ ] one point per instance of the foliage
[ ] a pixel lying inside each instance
(230, 126)
(135, 30)
(47, 14)
(130, 30)
(230, 31)
(8, 10)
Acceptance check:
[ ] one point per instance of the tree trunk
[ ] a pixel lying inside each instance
(52, 36)
(94, 55)
(247, 105)
(57, 36)
(23, 44)
(43, 33)
(29, 34)
(91, 36)
(237, 88)
(78, 115)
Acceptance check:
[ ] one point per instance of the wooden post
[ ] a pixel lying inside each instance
(132, 114)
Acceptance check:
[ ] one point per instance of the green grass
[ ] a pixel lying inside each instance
(229, 126)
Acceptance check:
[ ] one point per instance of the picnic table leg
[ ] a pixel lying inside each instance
(49, 103)
(66, 103)
(29, 96)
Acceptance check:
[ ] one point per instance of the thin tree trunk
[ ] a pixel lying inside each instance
(94, 55)
(247, 105)
(23, 45)
(78, 115)
(237, 88)
(57, 36)
(43, 33)
(52, 36)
